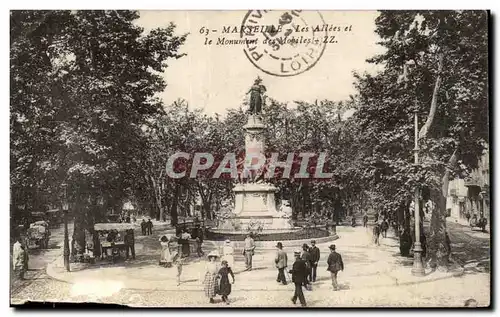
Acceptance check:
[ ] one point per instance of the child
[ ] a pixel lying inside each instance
(178, 262)
(165, 256)
(225, 286)
(20, 259)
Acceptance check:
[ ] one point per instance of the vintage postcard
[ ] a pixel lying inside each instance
(254, 158)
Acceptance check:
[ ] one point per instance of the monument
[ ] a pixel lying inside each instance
(255, 205)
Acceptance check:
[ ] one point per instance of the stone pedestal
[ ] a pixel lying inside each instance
(254, 201)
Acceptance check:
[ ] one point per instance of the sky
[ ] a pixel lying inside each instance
(215, 78)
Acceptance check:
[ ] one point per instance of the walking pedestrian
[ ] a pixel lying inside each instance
(165, 255)
(315, 256)
(249, 251)
(143, 227)
(184, 241)
(405, 242)
(199, 241)
(281, 260)
(365, 220)
(376, 234)
(306, 256)
(224, 284)
(149, 227)
(299, 278)
(227, 253)
(211, 272)
(335, 264)
(384, 227)
(129, 243)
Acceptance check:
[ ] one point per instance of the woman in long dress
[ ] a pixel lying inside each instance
(227, 253)
(225, 285)
(165, 255)
(211, 271)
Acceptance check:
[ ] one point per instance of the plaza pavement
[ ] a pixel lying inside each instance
(373, 276)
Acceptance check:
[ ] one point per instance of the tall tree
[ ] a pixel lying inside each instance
(83, 83)
(436, 64)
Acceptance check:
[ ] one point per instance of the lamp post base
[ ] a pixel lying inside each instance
(418, 266)
(66, 242)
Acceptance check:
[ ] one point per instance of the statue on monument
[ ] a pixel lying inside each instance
(256, 92)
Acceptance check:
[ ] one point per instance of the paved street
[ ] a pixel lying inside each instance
(38, 261)
(373, 276)
(470, 247)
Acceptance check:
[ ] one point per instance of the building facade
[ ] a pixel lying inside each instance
(470, 195)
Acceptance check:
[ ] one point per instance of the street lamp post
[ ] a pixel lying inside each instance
(65, 208)
(418, 267)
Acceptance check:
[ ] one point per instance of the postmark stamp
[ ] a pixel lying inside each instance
(284, 43)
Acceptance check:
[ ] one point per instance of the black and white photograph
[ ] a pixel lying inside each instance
(250, 158)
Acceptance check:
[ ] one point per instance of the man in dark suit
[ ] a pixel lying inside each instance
(281, 263)
(149, 227)
(299, 278)
(314, 251)
(130, 243)
(306, 256)
(335, 264)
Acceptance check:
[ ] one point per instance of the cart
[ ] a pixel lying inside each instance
(38, 235)
(111, 238)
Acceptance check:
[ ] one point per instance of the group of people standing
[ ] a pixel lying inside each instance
(303, 272)
(216, 280)
(147, 227)
(380, 228)
(168, 258)
(304, 268)
(178, 258)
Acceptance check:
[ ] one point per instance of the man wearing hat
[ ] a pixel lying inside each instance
(299, 278)
(281, 263)
(314, 251)
(335, 264)
(306, 256)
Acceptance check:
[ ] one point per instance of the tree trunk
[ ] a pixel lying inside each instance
(173, 210)
(305, 196)
(439, 250)
(160, 194)
(158, 200)
(79, 231)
